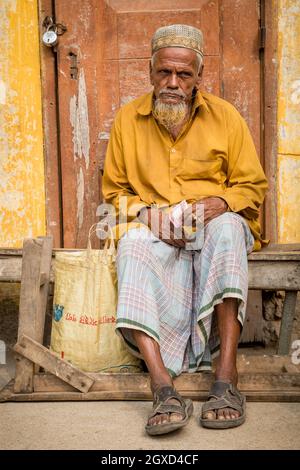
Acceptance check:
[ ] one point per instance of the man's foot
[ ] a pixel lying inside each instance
(225, 407)
(167, 417)
(170, 411)
(231, 377)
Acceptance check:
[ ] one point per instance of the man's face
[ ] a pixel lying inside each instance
(174, 74)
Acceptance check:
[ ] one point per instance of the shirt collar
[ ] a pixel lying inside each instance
(145, 107)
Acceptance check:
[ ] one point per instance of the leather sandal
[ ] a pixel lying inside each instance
(224, 395)
(161, 406)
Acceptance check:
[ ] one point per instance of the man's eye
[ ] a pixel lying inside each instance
(184, 74)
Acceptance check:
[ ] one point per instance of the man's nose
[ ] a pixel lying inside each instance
(173, 81)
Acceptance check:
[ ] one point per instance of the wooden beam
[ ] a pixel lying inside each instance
(269, 396)
(10, 268)
(253, 330)
(137, 392)
(275, 275)
(65, 371)
(273, 249)
(186, 383)
(286, 326)
(270, 66)
(37, 255)
(280, 262)
(50, 127)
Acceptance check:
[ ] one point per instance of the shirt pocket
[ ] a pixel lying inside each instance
(196, 169)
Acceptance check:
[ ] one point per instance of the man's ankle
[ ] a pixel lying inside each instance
(161, 383)
(227, 375)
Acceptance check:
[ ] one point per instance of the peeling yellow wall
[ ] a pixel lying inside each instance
(289, 122)
(22, 191)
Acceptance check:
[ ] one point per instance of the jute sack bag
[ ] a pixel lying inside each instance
(84, 311)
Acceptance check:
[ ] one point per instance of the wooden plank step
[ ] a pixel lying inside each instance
(270, 395)
(186, 383)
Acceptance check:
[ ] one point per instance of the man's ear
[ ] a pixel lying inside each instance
(199, 77)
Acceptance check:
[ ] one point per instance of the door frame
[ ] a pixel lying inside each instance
(269, 74)
(53, 175)
(268, 99)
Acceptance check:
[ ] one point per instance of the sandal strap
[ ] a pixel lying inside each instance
(219, 388)
(164, 393)
(225, 395)
(160, 406)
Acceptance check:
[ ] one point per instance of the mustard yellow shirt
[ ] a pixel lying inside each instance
(214, 155)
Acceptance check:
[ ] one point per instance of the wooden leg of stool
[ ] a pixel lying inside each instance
(36, 263)
(288, 314)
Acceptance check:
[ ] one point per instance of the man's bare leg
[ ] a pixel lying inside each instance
(229, 331)
(159, 375)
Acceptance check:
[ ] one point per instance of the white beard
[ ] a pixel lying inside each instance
(170, 115)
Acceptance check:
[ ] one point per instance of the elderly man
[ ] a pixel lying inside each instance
(179, 306)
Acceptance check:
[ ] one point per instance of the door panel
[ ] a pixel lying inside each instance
(103, 62)
(240, 62)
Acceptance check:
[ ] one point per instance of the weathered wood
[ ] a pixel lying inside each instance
(272, 249)
(10, 268)
(271, 395)
(280, 248)
(286, 326)
(40, 355)
(50, 128)
(270, 96)
(253, 330)
(186, 383)
(286, 258)
(275, 275)
(44, 277)
(42, 296)
(256, 396)
(37, 255)
(240, 70)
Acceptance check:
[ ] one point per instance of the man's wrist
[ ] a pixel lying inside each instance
(227, 208)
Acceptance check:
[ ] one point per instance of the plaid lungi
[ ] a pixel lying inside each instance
(170, 293)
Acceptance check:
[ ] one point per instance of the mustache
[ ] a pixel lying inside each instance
(166, 91)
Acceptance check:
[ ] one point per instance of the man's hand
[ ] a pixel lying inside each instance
(213, 207)
(162, 227)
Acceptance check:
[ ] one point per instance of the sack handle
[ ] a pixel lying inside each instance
(109, 240)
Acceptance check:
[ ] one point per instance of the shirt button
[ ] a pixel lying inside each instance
(173, 150)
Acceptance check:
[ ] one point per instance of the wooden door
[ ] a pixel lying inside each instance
(103, 62)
